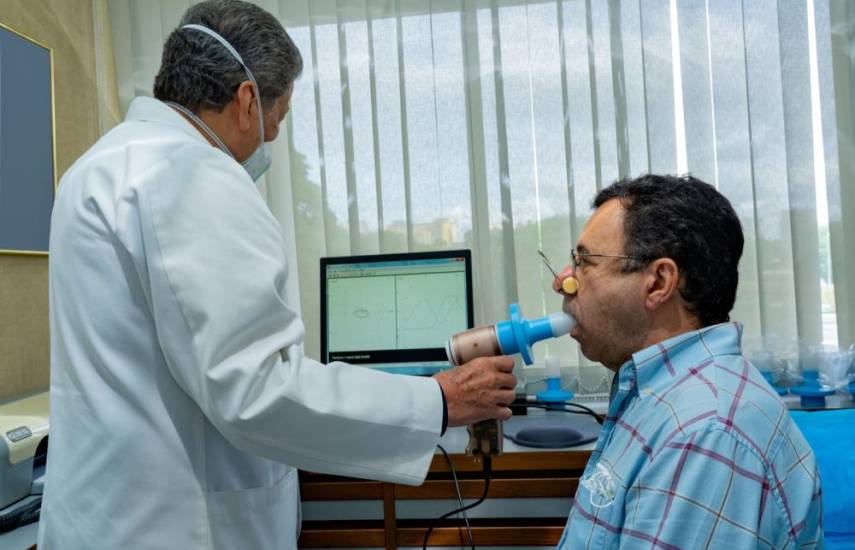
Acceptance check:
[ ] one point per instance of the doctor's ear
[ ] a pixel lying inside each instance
(246, 106)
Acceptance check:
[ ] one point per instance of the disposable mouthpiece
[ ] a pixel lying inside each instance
(561, 323)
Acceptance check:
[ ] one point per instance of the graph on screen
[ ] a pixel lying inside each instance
(363, 311)
(393, 309)
(431, 307)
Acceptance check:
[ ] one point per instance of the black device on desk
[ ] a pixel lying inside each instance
(394, 312)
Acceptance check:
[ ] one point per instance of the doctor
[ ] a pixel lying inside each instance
(181, 399)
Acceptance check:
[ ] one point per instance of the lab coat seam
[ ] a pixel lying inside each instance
(138, 182)
(157, 241)
(203, 443)
(143, 191)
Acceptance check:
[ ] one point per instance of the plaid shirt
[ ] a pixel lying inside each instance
(697, 451)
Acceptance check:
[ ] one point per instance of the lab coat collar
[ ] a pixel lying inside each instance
(148, 109)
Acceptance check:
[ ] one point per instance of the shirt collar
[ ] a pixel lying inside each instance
(662, 364)
(148, 109)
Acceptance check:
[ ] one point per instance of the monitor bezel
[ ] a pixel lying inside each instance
(401, 256)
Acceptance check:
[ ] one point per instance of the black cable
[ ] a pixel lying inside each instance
(488, 470)
(459, 496)
(600, 418)
(488, 465)
(560, 407)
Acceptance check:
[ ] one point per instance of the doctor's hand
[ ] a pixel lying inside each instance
(480, 390)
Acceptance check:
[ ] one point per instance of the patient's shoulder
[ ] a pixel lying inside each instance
(727, 393)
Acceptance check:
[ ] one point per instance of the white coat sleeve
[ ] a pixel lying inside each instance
(216, 272)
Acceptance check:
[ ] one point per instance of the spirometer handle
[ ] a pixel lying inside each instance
(485, 437)
(515, 335)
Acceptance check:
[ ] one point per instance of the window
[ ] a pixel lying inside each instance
(491, 124)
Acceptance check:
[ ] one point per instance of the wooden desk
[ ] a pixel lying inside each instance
(520, 474)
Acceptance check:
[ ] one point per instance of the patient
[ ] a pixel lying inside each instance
(697, 451)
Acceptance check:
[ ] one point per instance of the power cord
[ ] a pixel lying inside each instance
(488, 470)
(488, 465)
(459, 496)
(523, 400)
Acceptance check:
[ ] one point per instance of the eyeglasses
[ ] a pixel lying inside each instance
(577, 259)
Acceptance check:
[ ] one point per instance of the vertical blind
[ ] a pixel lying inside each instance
(492, 124)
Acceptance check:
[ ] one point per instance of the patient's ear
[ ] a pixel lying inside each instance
(661, 280)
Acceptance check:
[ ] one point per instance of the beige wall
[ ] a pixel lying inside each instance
(66, 27)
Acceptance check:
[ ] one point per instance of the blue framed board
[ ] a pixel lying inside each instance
(27, 143)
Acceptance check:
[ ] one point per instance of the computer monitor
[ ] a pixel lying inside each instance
(395, 311)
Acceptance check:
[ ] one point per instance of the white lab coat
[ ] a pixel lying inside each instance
(179, 389)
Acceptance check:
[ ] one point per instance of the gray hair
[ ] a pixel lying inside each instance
(198, 72)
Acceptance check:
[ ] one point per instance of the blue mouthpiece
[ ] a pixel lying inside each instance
(518, 335)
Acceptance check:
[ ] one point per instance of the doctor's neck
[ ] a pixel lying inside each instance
(223, 125)
(198, 128)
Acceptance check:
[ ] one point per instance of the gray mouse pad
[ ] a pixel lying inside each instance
(551, 432)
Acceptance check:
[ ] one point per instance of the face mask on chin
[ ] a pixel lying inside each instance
(260, 160)
(258, 163)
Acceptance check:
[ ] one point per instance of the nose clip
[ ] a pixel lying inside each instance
(569, 285)
(547, 264)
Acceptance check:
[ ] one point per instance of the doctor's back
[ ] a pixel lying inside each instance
(129, 448)
(179, 392)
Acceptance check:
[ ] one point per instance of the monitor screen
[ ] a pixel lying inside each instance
(395, 311)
